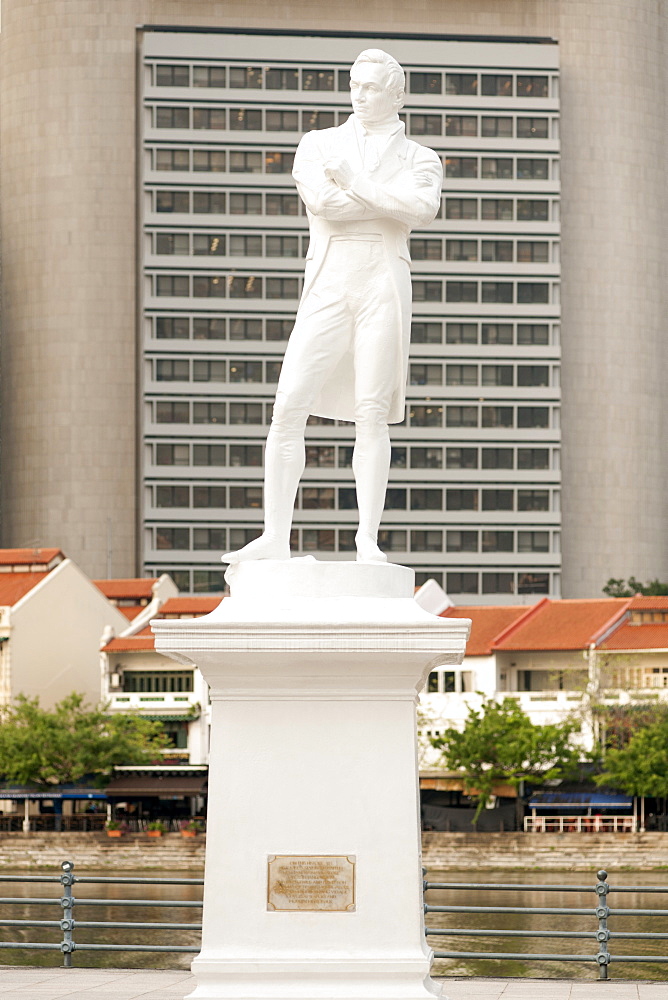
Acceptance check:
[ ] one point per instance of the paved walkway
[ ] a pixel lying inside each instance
(144, 984)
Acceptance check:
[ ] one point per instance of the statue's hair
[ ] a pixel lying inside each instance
(395, 74)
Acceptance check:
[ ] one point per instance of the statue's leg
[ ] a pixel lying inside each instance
(371, 466)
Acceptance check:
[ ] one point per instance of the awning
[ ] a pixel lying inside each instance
(579, 800)
(57, 793)
(154, 786)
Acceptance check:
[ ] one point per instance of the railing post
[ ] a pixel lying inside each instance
(602, 934)
(67, 903)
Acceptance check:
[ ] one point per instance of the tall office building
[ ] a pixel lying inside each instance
(473, 498)
(93, 258)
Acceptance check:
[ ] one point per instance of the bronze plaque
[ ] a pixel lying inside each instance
(311, 882)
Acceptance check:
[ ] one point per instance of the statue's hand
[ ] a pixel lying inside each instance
(340, 172)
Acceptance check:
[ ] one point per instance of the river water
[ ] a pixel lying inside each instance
(459, 966)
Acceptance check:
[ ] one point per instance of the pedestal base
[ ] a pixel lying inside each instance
(314, 670)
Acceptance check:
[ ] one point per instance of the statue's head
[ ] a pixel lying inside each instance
(377, 85)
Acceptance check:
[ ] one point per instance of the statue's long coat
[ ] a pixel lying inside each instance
(401, 191)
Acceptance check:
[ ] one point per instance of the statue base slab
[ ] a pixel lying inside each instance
(313, 885)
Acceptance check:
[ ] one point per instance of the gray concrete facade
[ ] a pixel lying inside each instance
(67, 211)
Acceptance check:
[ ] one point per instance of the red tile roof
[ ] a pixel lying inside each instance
(563, 624)
(28, 557)
(649, 604)
(630, 636)
(189, 607)
(486, 623)
(118, 590)
(14, 586)
(131, 611)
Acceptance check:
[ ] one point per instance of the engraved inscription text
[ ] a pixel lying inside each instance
(311, 882)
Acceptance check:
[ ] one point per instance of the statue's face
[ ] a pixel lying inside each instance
(371, 98)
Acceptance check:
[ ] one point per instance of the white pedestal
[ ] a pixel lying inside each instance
(314, 669)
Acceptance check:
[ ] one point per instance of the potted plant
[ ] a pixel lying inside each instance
(156, 828)
(114, 828)
(191, 827)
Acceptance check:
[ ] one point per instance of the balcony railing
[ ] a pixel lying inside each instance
(163, 701)
(580, 824)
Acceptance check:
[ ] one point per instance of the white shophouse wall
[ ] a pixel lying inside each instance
(55, 632)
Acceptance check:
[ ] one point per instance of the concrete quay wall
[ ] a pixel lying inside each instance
(476, 852)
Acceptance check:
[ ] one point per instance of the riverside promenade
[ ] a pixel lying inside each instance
(20, 983)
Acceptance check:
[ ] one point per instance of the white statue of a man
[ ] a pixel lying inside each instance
(365, 185)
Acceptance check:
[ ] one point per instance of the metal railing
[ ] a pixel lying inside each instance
(67, 922)
(600, 913)
(580, 824)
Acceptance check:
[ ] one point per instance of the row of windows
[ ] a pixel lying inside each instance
(432, 332)
(254, 119)
(221, 244)
(232, 244)
(157, 680)
(330, 456)
(420, 373)
(485, 167)
(221, 286)
(430, 414)
(470, 582)
(343, 539)
(524, 334)
(198, 581)
(208, 370)
(330, 79)
(257, 203)
(471, 249)
(522, 292)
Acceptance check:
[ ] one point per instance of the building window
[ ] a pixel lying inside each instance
(245, 203)
(209, 581)
(168, 75)
(282, 246)
(209, 371)
(245, 120)
(208, 328)
(245, 161)
(276, 162)
(282, 121)
(497, 168)
(497, 250)
(209, 413)
(461, 166)
(209, 202)
(426, 458)
(246, 287)
(172, 243)
(209, 287)
(157, 681)
(497, 291)
(426, 541)
(279, 329)
(497, 375)
(172, 328)
(497, 458)
(533, 416)
(461, 499)
(426, 83)
(427, 125)
(172, 370)
(172, 538)
(391, 540)
(461, 458)
(532, 86)
(278, 78)
(498, 583)
(172, 117)
(172, 159)
(426, 249)
(461, 291)
(172, 454)
(461, 375)
(461, 208)
(426, 333)
(426, 374)
(210, 118)
(497, 416)
(208, 244)
(531, 169)
(246, 496)
(209, 539)
(461, 125)
(245, 246)
(209, 76)
(461, 416)
(246, 77)
(533, 541)
(533, 292)
(497, 541)
(533, 458)
(494, 126)
(172, 201)
(497, 85)
(281, 204)
(533, 583)
(533, 251)
(461, 541)
(172, 496)
(426, 499)
(459, 83)
(320, 456)
(461, 249)
(246, 455)
(532, 210)
(208, 496)
(318, 79)
(533, 333)
(530, 375)
(495, 209)
(497, 499)
(462, 583)
(209, 160)
(246, 413)
(533, 128)
(172, 411)
(317, 498)
(497, 333)
(395, 499)
(209, 454)
(282, 288)
(427, 291)
(318, 540)
(534, 500)
(461, 333)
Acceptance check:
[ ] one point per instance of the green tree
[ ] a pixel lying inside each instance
(63, 744)
(641, 767)
(618, 587)
(500, 743)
